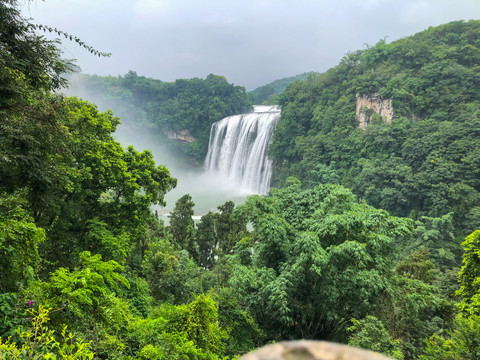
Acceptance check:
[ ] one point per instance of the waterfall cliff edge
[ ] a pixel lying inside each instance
(238, 148)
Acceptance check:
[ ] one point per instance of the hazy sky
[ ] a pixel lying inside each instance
(250, 42)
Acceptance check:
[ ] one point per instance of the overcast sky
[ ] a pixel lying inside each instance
(250, 42)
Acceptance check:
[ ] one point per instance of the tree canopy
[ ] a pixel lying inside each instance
(422, 164)
(166, 107)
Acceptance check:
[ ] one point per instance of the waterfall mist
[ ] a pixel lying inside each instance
(236, 164)
(207, 189)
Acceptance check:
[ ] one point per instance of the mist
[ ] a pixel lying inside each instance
(208, 189)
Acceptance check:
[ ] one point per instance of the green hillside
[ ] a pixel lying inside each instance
(426, 161)
(268, 94)
(166, 107)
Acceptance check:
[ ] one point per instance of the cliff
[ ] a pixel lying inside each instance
(367, 105)
(182, 135)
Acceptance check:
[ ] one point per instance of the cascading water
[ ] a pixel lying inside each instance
(238, 148)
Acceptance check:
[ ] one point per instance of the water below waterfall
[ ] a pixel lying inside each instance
(238, 148)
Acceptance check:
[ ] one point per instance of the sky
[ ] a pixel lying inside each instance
(250, 42)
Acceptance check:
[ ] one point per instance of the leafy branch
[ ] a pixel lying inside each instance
(70, 37)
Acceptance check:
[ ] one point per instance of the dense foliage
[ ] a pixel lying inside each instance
(185, 104)
(425, 163)
(81, 247)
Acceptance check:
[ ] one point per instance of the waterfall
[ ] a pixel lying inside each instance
(238, 148)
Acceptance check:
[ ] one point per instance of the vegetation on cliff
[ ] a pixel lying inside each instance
(425, 163)
(163, 107)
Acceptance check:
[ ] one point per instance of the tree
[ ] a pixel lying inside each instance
(36, 153)
(86, 299)
(28, 58)
(27, 55)
(469, 275)
(182, 226)
(19, 241)
(218, 233)
(206, 240)
(462, 342)
(320, 258)
(39, 341)
(172, 274)
(244, 334)
(85, 290)
(411, 311)
(229, 227)
(189, 331)
(417, 266)
(369, 333)
(103, 183)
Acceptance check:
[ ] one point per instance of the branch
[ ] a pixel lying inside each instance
(67, 36)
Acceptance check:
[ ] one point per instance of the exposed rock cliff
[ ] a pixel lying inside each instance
(367, 105)
(182, 135)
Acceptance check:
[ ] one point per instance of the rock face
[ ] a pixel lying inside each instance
(182, 135)
(311, 350)
(367, 105)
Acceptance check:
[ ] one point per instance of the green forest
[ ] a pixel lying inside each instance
(369, 238)
(162, 107)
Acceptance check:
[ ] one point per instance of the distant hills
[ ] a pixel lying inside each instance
(269, 93)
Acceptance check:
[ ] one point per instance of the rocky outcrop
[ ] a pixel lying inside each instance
(182, 135)
(368, 105)
(311, 350)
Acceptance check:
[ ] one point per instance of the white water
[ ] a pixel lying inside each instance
(238, 149)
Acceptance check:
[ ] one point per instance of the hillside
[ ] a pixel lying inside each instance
(423, 160)
(268, 94)
(183, 110)
(179, 113)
